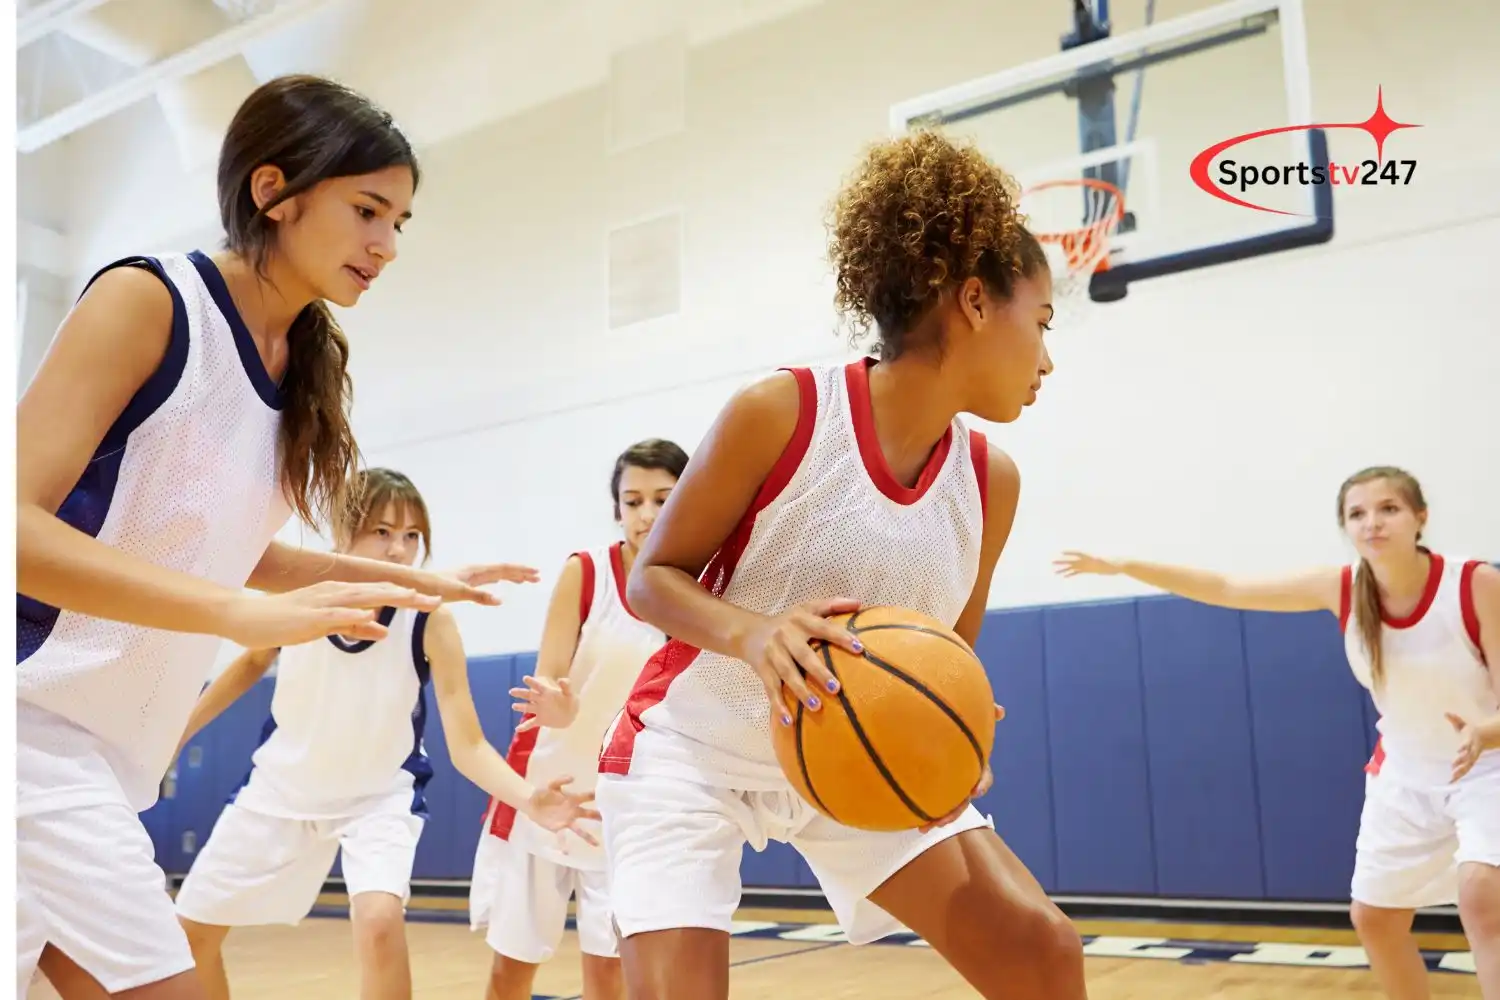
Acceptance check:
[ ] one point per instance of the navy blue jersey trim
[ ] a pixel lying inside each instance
(87, 503)
(419, 648)
(386, 616)
(255, 369)
(417, 763)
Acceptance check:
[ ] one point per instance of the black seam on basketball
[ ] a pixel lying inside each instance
(947, 710)
(802, 762)
(854, 618)
(913, 628)
(859, 731)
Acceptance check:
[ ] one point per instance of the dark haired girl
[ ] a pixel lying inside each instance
(593, 646)
(817, 491)
(1422, 633)
(188, 405)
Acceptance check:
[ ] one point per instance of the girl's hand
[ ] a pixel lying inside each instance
(545, 702)
(780, 651)
(452, 587)
(551, 808)
(266, 621)
(986, 779)
(484, 573)
(1469, 750)
(1078, 563)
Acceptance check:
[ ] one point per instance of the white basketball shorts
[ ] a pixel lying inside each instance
(524, 899)
(87, 883)
(674, 849)
(260, 869)
(1413, 838)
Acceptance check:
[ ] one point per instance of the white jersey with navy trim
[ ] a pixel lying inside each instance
(831, 520)
(187, 478)
(346, 724)
(1433, 665)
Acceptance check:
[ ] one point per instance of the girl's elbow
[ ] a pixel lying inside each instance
(462, 756)
(639, 589)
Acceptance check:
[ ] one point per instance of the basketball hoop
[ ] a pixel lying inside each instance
(1075, 251)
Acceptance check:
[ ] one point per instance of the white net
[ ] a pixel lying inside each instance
(1075, 221)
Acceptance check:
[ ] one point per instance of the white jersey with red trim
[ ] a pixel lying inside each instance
(613, 646)
(1433, 664)
(831, 520)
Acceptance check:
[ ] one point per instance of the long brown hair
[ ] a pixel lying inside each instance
(1366, 596)
(375, 489)
(313, 130)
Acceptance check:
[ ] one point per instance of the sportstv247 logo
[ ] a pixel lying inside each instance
(1232, 176)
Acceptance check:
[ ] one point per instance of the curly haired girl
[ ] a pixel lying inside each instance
(816, 492)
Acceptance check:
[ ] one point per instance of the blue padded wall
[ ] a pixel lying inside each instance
(1011, 645)
(1200, 751)
(1311, 745)
(1152, 747)
(1101, 781)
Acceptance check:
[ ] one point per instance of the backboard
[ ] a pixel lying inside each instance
(1198, 122)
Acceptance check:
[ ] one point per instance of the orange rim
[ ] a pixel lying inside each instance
(1090, 240)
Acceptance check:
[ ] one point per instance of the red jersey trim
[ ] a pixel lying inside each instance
(857, 381)
(503, 820)
(503, 816)
(1429, 594)
(674, 658)
(586, 597)
(617, 567)
(1346, 596)
(1466, 605)
(979, 456)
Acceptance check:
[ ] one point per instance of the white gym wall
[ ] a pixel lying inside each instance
(1206, 418)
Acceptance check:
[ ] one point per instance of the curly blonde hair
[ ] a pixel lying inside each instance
(921, 214)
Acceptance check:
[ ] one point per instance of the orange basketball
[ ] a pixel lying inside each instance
(906, 738)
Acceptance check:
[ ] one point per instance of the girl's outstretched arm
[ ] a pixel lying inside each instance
(1313, 590)
(473, 756)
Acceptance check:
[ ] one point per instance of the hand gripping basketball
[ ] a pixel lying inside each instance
(906, 741)
(780, 650)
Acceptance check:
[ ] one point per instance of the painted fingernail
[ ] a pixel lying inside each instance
(786, 720)
(833, 687)
(813, 702)
(859, 647)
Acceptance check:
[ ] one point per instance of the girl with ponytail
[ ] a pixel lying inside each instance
(189, 404)
(1422, 633)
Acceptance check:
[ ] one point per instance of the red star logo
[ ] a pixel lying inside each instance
(1380, 125)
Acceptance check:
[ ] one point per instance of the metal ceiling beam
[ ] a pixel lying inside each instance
(144, 84)
(45, 18)
(42, 248)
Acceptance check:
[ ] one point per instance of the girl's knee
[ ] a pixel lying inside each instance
(379, 924)
(506, 969)
(1378, 921)
(1057, 940)
(1479, 901)
(203, 938)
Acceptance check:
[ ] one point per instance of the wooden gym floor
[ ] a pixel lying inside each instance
(787, 955)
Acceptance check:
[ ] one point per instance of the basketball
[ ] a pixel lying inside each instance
(907, 737)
